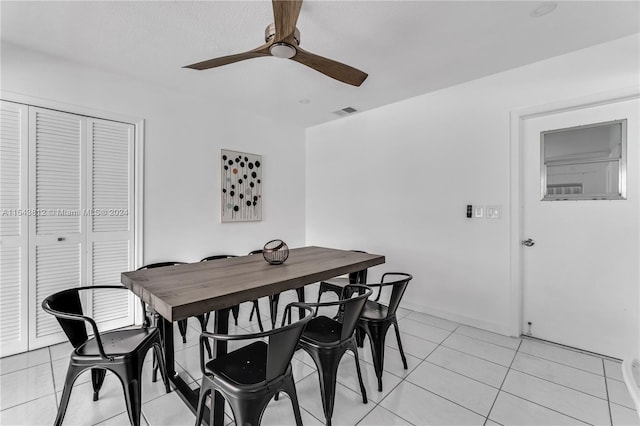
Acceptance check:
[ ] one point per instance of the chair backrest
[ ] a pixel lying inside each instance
(68, 302)
(66, 306)
(398, 287)
(159, 265)
(218, 256)
(351, 308)
(283, 341)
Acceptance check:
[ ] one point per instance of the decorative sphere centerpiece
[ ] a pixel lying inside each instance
(275, 252)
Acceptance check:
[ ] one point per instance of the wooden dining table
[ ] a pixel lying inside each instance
(181, 291)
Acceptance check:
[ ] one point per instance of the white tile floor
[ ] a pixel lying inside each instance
(457, 375)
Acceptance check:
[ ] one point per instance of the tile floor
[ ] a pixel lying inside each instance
(457, 375)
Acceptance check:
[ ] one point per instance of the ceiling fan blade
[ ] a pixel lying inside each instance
(285, 14)
(224, 60)
(330, 68)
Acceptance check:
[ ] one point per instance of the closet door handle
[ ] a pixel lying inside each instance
(61, 238)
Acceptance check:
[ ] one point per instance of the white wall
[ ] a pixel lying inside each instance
(184, 136)
(396, 180)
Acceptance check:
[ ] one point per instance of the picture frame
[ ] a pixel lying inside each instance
(240, 186)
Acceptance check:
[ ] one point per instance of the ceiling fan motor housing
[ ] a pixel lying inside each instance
(281, 49)
(270, 32)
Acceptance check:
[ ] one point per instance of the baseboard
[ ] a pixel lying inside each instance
(494, 327)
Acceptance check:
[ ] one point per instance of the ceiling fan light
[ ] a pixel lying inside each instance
(282, 50)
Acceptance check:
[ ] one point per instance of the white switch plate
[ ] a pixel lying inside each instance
(478, 211)
(494, 212)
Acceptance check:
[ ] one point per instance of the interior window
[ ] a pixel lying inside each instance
(585, 162)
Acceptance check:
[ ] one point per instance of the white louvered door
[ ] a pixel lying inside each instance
(67, 220)
(57, 232)
(13, 228)
(110, 224)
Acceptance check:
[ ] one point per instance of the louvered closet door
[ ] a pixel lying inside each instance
(13, 228)
(110, 224)
(57, 142)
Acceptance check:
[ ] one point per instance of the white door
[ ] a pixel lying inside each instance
(57, 142)
(14, 248)
(581, 276)
(110, 220)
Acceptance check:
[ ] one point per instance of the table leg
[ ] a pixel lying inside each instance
(221, 326)
(188, 395)
(166, 332)
(300, 292)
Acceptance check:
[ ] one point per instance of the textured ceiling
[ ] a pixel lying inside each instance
(408, 48)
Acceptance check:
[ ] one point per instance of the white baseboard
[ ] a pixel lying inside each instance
(494, 327)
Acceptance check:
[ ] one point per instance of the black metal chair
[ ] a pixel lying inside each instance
(335, 285)
(250, 376)
(274, 299)
(327, 339)
(121, 351)
(235, 310)
(376, 319)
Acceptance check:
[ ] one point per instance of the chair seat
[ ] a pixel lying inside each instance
(322, 330)
(374, 311)
(119, 342)
(244, 366)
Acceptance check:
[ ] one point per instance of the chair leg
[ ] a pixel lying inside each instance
(290, 388)
(97, 379)
(72, 374)
(133, 398)
(377, 333)
(404, 359)
(327, 365)
(360, 337)
(182, 326)
(354, 349)
(256, 308)
(248, 411)
(154, 374)
(235, 311)
(159, 359)
(204, 391)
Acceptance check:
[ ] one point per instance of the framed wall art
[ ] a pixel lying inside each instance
(241, 186)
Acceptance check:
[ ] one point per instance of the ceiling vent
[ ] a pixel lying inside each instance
(345, 111)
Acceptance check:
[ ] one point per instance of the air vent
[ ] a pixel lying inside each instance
(345, 111)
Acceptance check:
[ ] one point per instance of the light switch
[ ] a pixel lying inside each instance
(494, 212)
(478, 211)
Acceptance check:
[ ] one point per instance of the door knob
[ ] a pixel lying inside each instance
(528, 242)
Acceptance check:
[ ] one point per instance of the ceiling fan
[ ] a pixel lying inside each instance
(282, 40)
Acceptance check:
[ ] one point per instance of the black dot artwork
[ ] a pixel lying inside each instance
(241, 186)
